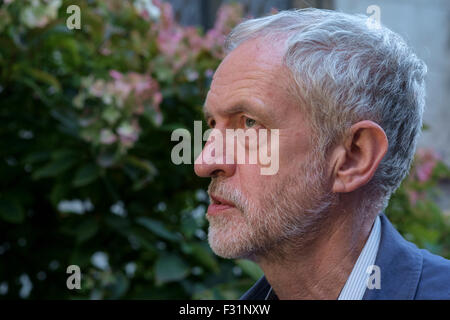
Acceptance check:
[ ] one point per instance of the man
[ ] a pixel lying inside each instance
(347, 101)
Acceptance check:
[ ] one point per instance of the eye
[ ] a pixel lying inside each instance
(249, 123)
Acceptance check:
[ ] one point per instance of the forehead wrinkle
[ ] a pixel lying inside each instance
(254, 80)
(236, 73)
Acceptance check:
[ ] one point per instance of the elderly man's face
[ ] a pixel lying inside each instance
(252, 214)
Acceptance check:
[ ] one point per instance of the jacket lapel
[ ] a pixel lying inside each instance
(258, 291)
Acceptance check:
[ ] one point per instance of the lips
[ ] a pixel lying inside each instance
(218, 205)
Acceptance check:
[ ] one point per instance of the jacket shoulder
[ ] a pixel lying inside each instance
(434, 282)
(408, 272)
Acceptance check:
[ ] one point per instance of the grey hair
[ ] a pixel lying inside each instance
(345, 72)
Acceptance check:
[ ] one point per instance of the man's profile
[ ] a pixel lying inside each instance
(348, 103)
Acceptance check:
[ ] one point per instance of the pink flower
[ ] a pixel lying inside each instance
(413, 197)
(195, 41)
(426, 160)
(105, 51)
(424, 171)
(128, 133)
(97, 89)
(227, 17)
(168, 41)
(166, 17)
(121, 89)
(213, 42)
(116, 75)
(107, 137)
(157, 99)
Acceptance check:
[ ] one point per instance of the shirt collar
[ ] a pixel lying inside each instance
(356, 284)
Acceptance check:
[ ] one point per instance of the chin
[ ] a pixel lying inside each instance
(224, 244)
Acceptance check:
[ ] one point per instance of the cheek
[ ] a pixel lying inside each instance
(255, 185)
(251, 181)
(294, 149)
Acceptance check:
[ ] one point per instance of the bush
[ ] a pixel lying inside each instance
(412, 208)
(87, 179)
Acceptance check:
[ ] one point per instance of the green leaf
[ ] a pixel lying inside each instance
(11, 211)
(250, 268)
(111, 115)
(45, 77)
(144, 165)
(170, 267)
(157, 227)
(118, 224)
(119, 286)
(188, 227)
(54, 168)
(68, 120)
(205, 256)
(85, 175)
(59, 192)
(36, 90)
(86, 230)
(80, 257)
(63, 154)
(37, 157)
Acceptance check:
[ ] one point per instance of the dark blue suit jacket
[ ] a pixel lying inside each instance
(406, 271)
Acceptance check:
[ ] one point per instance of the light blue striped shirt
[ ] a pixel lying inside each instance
(356, 283)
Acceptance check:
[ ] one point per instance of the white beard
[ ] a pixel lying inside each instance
(291, 209)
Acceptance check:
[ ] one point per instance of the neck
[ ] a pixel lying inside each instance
(319, 269)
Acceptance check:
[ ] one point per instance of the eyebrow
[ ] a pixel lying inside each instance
(238, 108)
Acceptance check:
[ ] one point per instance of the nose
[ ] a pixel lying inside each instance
(212, 161)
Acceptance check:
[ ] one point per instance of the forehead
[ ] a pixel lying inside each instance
(255, 54)
(253, 70)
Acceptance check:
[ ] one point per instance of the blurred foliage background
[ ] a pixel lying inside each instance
(85, 146)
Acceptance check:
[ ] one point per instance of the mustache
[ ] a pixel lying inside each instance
(233, 195)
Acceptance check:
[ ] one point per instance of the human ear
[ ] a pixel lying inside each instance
(357, 158)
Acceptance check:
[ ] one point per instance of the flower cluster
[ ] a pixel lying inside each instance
(111, 106)
(426, 161)
(421, 175)
(34, 14)
(124, 98)
(39, 13)
(181, 44)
